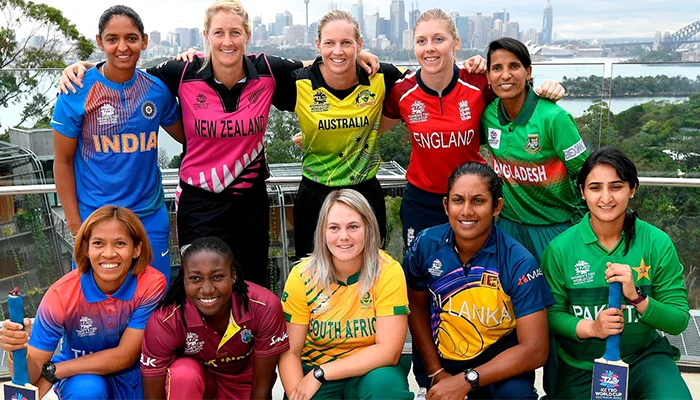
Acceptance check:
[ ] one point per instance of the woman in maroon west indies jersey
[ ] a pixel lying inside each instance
(441, 105)
(225, 100)
(215, 336)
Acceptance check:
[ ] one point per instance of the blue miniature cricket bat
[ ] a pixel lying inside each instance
(610, 373)
(20, 388)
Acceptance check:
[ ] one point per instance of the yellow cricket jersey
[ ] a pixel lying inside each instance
(344, 322)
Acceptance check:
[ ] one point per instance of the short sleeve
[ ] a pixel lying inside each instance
(391, 296)
(412, 265)
(294, 303)
(527, 288)
(391, 75)
(170, 72)
(281, 67)
(171, 110)
(271, 337)
(68, 114)
(160, 344)
(48, 326)
(391, 103)
(568, 144)
(152, 293)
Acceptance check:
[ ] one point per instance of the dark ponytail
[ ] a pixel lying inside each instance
(177, 295)
(626, 171)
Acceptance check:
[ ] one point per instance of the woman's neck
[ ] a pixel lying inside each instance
(229, 76)
(467, 248)
(219, 322)
(608, 233)
(339, 82)
(116, 75)
(438, 82)
(514, 105)
(345, 269)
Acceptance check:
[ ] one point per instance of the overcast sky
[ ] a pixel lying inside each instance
(573, 19)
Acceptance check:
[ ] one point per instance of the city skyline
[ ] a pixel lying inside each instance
(596, 19)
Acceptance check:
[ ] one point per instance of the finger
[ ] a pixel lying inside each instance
(66, 86)
(81, 73)
(11, 326)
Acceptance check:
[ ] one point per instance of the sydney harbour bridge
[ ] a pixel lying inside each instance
(687, 34)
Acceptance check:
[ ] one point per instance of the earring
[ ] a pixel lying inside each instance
(583, 198)
(631, 197)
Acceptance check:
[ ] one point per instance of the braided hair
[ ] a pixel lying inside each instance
(177, 295)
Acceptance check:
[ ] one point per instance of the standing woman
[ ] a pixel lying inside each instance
(346, 309)
(108, 131)
(214, 335)
(339, 108)
(535, 147)
(440, 104)
(97, 313)
(477, 298)
(611, 244)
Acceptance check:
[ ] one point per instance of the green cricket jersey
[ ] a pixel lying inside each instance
(538, 155)
(574, 264)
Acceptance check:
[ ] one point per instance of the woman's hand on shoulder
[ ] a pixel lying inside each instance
(72, 74)
(369, 62)
(187, 56)
(298, 140)
(475, 65)
(12, 337)
(306, 388)
(451, 387)
(551, 90)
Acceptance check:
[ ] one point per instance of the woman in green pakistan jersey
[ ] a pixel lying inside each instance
(611, 244)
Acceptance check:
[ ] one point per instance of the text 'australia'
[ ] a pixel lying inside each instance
(342, 123)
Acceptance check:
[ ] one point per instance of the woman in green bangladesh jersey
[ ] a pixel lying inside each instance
(611, 245)
(534, 146)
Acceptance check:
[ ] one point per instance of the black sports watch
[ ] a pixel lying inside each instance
(640, 297)
(48, 372)
(319, 374)
(472, 377)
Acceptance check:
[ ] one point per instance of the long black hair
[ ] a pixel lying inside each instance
(120, 10)
(176, 294)
(486, 173)
(626, 171)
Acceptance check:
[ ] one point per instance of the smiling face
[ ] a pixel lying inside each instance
(122, 43)
(111, 251)
(339, 46)
(470, 209)
(606, 195)
(434, 46)
(345, 235)
(507, 75)
(209, 283)
(227, 38)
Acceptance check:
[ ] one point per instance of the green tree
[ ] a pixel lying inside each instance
(50, 39)
(176, 161)
(281, 127)
(395, 144)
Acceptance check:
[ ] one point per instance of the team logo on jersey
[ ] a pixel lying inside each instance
(642, 271)
(418, 113)
(246, 335)
(148, 109)
(201, 103)
(465, 113)
(320, 102)
(253, 97)
(366, 300)
(583, 273)
(323, 306)
(410, 235)
(365, 99)
(436, 269)
(192, 343)
(533, 144)
(107, 115)
(86, 328)
(494, 138)
(489, 280)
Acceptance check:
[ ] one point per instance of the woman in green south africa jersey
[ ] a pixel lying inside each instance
(611, 245)
(534, 146)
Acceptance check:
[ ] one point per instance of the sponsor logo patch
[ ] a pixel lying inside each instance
(574, 151)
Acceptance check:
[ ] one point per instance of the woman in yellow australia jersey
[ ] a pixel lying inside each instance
(346, 309)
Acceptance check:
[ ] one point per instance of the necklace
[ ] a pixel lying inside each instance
(103, 70)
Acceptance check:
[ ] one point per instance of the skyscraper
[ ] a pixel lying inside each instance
(413, 15)
(462, 22)
(154, 37)
(397, 19)
(503, 15)
(358, 12)
(512, 30)
(371, 26)
(546, 34)
(282, 20)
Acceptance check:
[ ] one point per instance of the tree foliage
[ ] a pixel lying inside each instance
(627, 86)
(50, 39)
(395, 144)
(281, 127)
(176, 161)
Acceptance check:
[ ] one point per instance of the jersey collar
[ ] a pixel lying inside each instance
(114, 85)
(195, 319)
(488, 247)
(531, 100)
(352, 279)
(93, 294)
(587, 232)
(316, 77)
(248, 68)
(446, 91)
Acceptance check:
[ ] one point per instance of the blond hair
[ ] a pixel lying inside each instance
(133, 225)
(233, 6)
(320, 265)
(338, 15)
(440, 15)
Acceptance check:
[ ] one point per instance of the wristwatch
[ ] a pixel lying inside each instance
(472, 377)
(641, 296)
(48, 372)
(319, 374)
